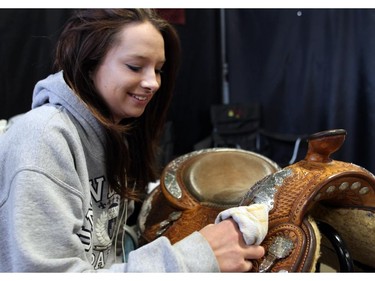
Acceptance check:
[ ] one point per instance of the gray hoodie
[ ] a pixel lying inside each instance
(56, 212)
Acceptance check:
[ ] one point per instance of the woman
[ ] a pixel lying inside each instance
(89, 146)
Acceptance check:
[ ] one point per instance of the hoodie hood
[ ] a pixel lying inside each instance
(55, 91)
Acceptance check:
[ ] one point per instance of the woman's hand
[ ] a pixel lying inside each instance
(227, 243)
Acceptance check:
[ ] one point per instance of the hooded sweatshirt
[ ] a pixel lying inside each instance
(57, 213)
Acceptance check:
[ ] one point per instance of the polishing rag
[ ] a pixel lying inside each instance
(252, 221)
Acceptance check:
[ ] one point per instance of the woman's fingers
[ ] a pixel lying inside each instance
(254, 252)
(231, 251)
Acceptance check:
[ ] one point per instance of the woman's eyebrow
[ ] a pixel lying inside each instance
(141, 57)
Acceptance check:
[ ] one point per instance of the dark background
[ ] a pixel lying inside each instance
(309, 69)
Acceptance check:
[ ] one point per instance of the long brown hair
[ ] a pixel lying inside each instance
(86, 38)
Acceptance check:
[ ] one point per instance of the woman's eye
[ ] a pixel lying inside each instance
(133, 67)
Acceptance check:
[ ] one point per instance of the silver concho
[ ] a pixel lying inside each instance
(170, 182)
(280, 248)
(264, 190)
(165, 224)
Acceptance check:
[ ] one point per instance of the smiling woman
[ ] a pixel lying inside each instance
(73, 167)
(130, 73)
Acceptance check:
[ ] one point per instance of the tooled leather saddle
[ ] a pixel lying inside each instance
(195, 187)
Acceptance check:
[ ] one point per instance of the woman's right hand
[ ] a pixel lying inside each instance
(231, 251)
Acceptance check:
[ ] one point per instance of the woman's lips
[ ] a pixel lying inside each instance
(139, 97)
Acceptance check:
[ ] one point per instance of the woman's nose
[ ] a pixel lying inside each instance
(151, 81)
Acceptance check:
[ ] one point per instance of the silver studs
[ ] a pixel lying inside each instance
(355, 185)
(343, 186)
(364, 190)
(317, 197)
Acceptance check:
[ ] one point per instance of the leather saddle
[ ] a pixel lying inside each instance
(195, 187)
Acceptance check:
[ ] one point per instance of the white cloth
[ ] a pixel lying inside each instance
(252, 221)
(3, 125)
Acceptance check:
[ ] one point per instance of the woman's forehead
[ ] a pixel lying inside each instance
(141, 40)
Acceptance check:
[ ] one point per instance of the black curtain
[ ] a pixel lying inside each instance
(198, 84)
(27, 41)
(310, 69)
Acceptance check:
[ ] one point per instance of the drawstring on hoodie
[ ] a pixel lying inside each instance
(124, 218)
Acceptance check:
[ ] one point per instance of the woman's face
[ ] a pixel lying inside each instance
(129, 74)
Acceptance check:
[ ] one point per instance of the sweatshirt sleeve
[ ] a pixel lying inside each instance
(192, 254)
